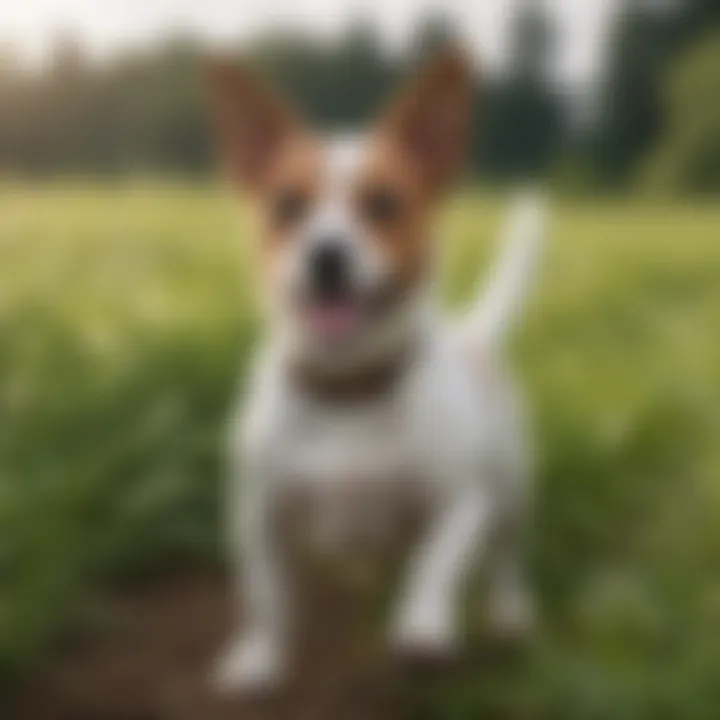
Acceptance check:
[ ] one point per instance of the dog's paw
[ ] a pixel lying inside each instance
(250, 666)
(425, 633)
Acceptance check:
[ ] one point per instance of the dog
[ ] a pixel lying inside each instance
(361, 381)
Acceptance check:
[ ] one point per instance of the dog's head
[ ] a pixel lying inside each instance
(345, 224)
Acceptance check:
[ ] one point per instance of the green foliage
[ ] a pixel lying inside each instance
(122, 328)
(688, 157)
(125, 318)
(646, 40)
(630, 109)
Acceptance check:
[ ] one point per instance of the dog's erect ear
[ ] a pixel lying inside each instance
(251, 123)
(431, 119)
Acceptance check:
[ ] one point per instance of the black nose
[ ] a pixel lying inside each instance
(329, 268)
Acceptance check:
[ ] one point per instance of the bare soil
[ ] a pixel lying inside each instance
(155, 662)
(151, 655)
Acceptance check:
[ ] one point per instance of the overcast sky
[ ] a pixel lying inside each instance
(104, 25)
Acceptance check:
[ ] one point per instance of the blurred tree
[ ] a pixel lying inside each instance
(648, 35)
(531, 42)
(696, 18)
(523, 115)
(630, 116)
(688, 156)
(337, 84)
(361, 76)
(434, 32)
(144, 110)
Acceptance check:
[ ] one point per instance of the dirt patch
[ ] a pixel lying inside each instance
(153, 660)
(151, 656)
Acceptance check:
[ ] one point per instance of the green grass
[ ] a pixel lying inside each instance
(126, 316)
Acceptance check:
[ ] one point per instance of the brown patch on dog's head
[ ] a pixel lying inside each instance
(294, 182)
(393, 210)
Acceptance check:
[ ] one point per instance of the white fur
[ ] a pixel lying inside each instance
(453, 424)
(504, 298)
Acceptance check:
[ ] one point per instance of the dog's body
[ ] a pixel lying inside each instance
(411, 399)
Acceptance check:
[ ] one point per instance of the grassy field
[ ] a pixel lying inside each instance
(126, 315)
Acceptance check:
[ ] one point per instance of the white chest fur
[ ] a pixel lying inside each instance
(448, 409)
(331, 445)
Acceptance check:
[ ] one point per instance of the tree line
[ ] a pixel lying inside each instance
(145, 111)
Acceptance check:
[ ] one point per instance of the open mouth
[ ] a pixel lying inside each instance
(336, 319)
(342, 316)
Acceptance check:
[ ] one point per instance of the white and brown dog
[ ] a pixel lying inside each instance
(362, 382)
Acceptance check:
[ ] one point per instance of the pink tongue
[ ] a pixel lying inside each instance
(334, 321)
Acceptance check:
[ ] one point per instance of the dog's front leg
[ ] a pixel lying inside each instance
(426, 621)
(255, 658)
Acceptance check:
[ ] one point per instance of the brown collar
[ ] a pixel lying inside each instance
(363, 384)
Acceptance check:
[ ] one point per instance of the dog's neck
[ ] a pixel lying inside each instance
(363, 383)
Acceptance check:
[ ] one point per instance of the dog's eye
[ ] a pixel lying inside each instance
(381, 205)
(289, 206)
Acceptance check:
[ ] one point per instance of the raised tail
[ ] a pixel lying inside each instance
(503, 298)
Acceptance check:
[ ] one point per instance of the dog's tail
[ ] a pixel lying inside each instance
(504, 297)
